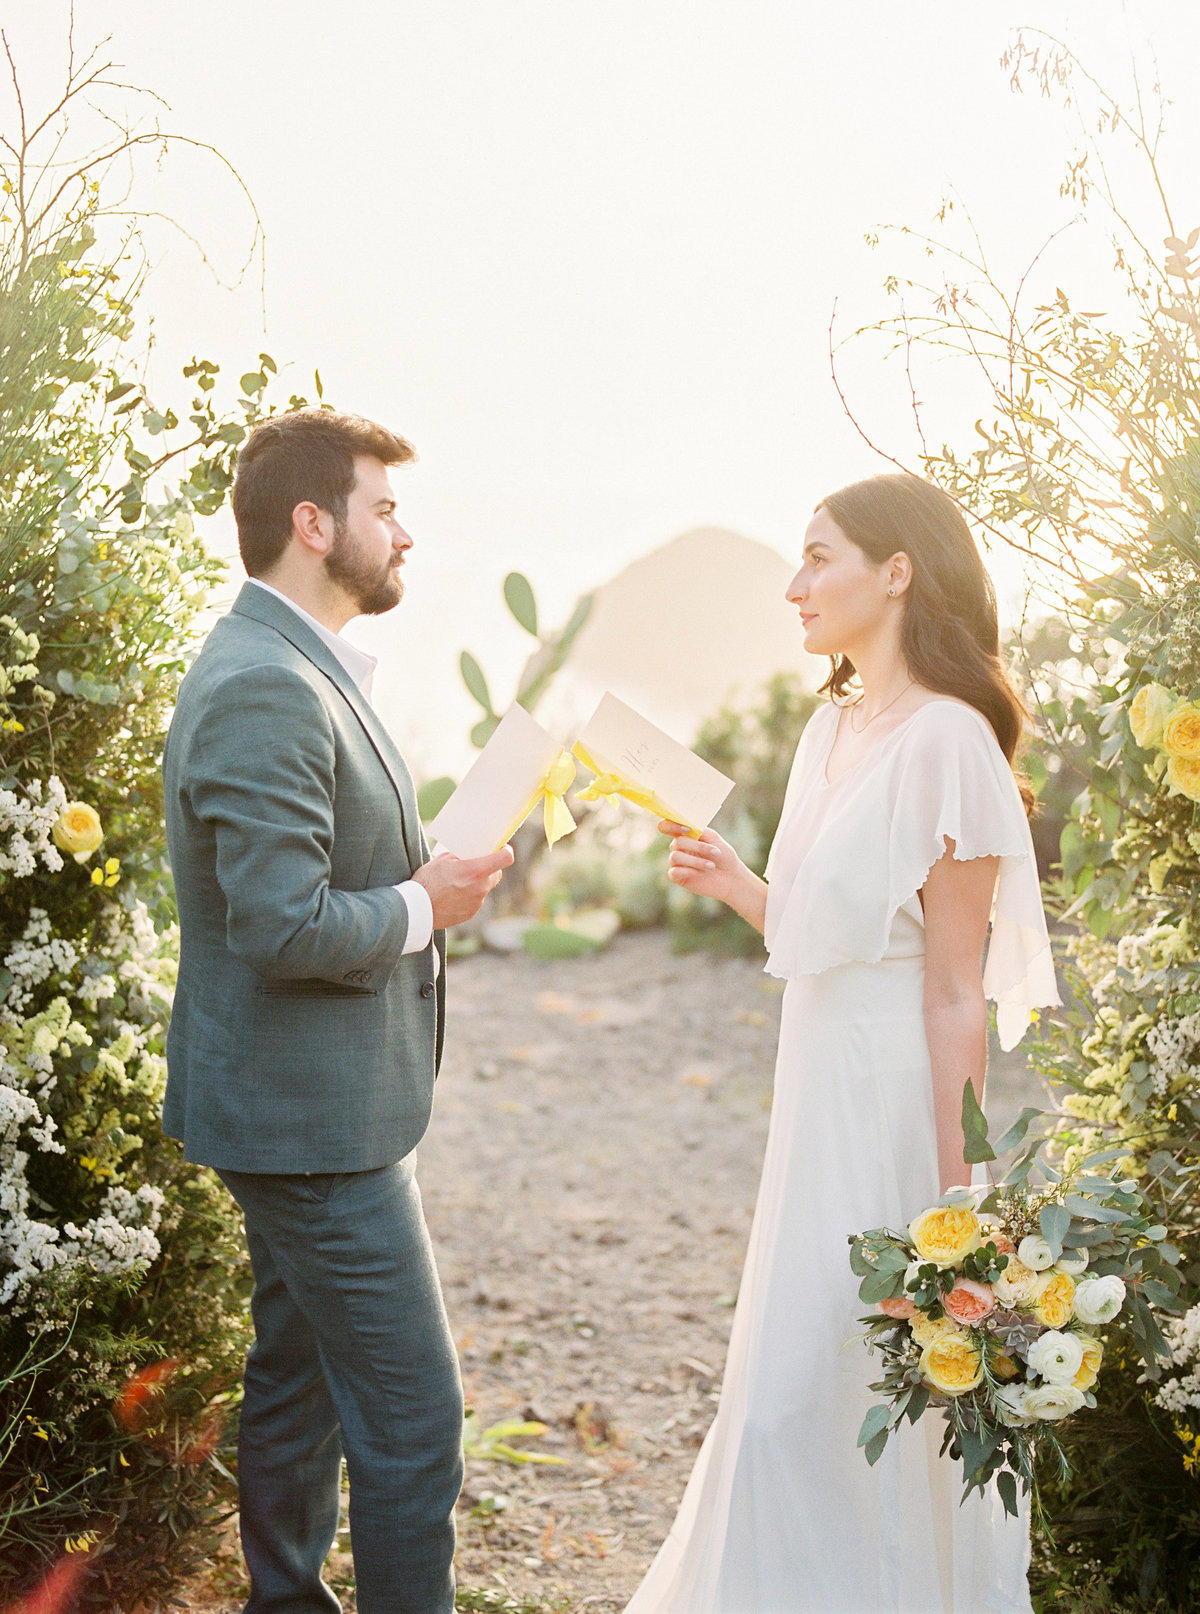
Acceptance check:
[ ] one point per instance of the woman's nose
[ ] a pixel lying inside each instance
(796, 592)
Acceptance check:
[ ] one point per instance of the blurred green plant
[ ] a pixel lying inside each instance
(539, 671)
(495, 1443)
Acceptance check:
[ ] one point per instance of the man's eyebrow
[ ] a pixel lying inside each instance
(385, 504)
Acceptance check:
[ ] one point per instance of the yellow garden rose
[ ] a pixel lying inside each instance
(1056, 1301)
(1181, 732)
(952, 1365)
(1148, 713)
(926, 1329)
(946, 1234)
(1183, 775)
(1093, 1355)
(1017, 1284)
(1004, 1367)
(77, 830)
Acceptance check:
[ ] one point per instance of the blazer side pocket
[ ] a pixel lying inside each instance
(313, 989)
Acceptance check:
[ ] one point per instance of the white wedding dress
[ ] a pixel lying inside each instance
(782, 1514)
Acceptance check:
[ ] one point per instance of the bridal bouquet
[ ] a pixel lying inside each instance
(992, 1305)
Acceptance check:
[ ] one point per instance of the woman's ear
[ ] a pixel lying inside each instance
(899, 574)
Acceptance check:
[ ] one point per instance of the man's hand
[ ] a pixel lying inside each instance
(458, 885)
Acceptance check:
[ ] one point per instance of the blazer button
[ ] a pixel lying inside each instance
(427, 989)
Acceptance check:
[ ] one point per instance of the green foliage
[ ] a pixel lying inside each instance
(1086, 460)
(116, 1254)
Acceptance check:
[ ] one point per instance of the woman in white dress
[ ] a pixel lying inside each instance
(903, 833)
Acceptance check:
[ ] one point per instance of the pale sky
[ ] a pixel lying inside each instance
(585, 256)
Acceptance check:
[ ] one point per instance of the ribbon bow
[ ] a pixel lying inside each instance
(607, 786)
(556, 815)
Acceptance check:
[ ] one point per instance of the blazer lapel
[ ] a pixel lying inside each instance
(273, 613)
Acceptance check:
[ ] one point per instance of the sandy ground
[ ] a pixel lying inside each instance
(589, 1180)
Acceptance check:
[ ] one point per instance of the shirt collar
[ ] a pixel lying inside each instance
(358, 663)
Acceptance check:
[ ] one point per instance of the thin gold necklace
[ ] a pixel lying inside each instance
(881, 710)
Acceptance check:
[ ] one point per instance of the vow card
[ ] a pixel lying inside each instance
(619, 741)
(500, 789)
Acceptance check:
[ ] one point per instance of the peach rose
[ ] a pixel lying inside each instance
(901, 1308)
(1181, 732)
(969, 1302)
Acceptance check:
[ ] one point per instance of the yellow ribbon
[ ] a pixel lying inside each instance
(556, 815)
(605, 786)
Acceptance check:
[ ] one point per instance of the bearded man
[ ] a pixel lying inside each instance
(308, 1022)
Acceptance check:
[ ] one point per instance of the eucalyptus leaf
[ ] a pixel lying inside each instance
(976, 1148)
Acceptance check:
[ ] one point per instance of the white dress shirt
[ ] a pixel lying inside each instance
(361, 667)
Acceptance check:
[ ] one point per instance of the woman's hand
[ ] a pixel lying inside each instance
(709, 867)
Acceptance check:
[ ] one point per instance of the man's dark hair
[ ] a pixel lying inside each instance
(305, 456)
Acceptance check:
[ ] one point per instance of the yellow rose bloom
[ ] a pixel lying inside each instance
(1148, 713)
(946, 1234)
(952, 1365)
(1004, 1367)
(1089, 1370)
(1183, 775)
(77, 830)
(926, 1329)
(1181, 732)
(1056, 1301)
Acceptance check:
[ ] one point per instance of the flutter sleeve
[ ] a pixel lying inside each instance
(943, 778)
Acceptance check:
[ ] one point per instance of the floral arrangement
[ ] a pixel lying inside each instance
(1163, 721)
(991, 1302)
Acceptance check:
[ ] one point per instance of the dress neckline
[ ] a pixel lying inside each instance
(831, 784)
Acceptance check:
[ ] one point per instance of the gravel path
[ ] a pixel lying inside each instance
(589, 1180)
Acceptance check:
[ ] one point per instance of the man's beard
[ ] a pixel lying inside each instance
(372, 587)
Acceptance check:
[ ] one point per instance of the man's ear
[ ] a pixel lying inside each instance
(312, 527)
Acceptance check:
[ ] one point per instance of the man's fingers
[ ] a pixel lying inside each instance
(476, 867)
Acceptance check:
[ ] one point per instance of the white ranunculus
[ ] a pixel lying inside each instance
(1053, 1401)
(1055, 1356)
(1072, 1262)
(912, 1272)
(1035, 1252)
(1011, 1402)
(1098, 1300)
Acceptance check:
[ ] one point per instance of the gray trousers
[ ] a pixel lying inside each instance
(353, 1356)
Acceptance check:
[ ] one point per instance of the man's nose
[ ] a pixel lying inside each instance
(402, 540)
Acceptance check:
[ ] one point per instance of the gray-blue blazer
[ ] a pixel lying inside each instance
(302, 1037)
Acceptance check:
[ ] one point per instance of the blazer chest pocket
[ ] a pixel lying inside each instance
(314, 989)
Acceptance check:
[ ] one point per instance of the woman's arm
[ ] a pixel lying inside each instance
(710, 867)
(957, 899)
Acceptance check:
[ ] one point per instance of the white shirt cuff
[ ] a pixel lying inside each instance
(420, 915)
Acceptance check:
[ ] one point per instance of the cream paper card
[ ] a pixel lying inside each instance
(500, 789)
(634, 759)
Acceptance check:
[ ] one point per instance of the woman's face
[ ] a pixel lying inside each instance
(842, 596)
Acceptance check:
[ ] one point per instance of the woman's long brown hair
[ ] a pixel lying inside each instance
(949, 636)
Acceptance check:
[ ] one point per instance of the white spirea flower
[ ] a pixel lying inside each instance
(1098, 1300)
(1055, 1356)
